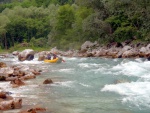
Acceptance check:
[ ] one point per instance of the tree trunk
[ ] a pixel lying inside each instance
(5, 41)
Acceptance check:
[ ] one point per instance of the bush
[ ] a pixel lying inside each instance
(124, 33)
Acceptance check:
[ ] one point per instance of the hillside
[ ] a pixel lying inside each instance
(66, 24)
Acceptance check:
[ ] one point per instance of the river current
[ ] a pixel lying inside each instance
(86, 85)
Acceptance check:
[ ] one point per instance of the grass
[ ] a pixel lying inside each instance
(18, 48)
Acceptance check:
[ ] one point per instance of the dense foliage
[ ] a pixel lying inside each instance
(68, 23)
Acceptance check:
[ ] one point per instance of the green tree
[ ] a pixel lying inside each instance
(65, 18)
(94, 28)
(3, 22)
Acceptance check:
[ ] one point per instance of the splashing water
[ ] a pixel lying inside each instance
(85, 85)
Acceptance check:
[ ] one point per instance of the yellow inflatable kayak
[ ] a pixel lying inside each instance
(57, 60)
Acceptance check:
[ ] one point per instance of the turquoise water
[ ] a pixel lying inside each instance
(86, 85)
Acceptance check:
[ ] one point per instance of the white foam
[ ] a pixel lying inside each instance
(34, 61)
(90, 65)
(133, 88)
(99, 70)
(71, 70)
(115, 60)
(85, 85)
(84, 65)
(83, 59)
(137, 93)
(66, 83)
(132, 68)
(138, 101)
(139, 60)
(144, 78)
(71, 59)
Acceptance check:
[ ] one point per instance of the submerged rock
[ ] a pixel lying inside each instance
(48, 81)
(33, 110)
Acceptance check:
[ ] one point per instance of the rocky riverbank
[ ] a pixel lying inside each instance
(113, 50)
(17, 76)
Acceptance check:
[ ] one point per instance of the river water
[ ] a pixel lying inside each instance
(86, 85)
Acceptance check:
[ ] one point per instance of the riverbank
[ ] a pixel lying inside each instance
(112, 50)
(13, 77)
(127, 49)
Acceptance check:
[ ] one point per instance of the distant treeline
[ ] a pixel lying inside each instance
(66, 24)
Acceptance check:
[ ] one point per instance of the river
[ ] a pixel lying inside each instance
(86, 85)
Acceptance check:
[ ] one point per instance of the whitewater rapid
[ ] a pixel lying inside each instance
(85, 85)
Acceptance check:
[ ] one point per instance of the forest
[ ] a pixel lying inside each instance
(66, 24)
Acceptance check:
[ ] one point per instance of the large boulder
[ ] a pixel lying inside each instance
(88, 45)
(123, 50)
(101, 52)
(27, 54)
(145, 51)
(112, 52)
(41, 55)
(126, 48)
(130, 53)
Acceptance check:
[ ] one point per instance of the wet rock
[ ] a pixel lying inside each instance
(19, 73)
(35, 72)
(5, 96)
(11, 78)
(30, 57)
(48, 81)
(148, 58)
(34, 110)
(41, 55)
(15, 53)
(2, 77)
(17, 82)
(2, 95)
(11, 104)
(120, 81)
(6, 71)
(27, 54)
(89, 54)
(2, 64)
(28, 76)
